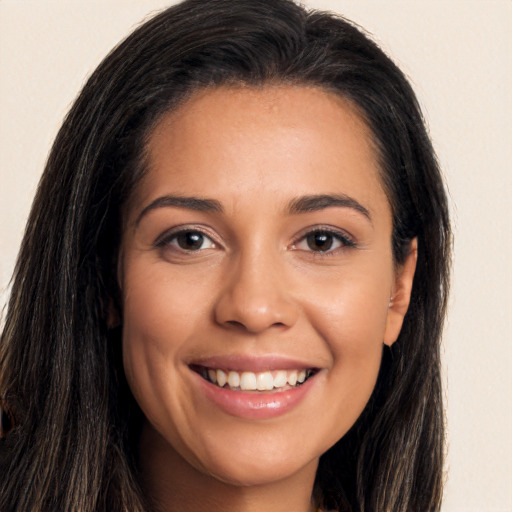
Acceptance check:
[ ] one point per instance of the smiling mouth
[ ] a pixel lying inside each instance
(273, 381)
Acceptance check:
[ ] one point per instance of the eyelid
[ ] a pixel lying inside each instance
(164, 238)
(343, 236)
(346, 239)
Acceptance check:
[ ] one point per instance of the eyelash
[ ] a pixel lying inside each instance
(167, 238)
(344, 240)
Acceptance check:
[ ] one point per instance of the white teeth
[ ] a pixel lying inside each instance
(281, 379)
(221, 378)
(262, 381)
(248, 381)
(265, 381)
(234, 379)
(292, 378)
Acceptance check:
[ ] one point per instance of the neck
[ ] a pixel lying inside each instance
(174, 485)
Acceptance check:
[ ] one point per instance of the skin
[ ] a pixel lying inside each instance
(256, 286)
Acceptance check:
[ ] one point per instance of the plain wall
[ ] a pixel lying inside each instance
(458, 56)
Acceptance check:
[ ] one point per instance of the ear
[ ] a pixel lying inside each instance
(401, 294)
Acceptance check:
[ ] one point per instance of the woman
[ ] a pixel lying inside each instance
(231, 289)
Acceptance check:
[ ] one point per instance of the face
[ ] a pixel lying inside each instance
(258, 281)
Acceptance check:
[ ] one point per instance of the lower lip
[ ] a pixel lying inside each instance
(257, 405)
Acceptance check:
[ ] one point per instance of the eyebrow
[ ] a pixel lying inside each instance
(190, 203)
(314, 203)
(303, 204)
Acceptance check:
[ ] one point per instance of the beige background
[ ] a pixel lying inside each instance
(458, 54)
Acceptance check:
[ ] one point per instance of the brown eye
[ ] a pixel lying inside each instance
(189, 240)
(320, 241)
(324, 241)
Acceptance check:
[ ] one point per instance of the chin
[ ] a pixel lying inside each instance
(258, 473)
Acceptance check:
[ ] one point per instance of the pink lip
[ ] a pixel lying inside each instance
(243, 363)
(253, 405)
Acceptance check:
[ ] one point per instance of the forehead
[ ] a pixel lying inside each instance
(245, 141)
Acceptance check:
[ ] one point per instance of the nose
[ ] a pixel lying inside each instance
(256, 296)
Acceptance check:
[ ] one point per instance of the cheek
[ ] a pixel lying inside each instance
(163, 312)
(349, 309)
(161, 309)
(349, 314)
(155, 329)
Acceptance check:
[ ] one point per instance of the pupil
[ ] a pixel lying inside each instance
(320, 241)
(191, 240)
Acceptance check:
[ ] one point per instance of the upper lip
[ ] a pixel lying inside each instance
(246, 363)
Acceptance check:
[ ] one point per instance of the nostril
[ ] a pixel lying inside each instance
(235, 323)
(240, 325)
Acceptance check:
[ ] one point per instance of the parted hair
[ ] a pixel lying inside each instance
(70, 424)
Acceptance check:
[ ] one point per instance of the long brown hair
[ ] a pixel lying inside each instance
(73, 445)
